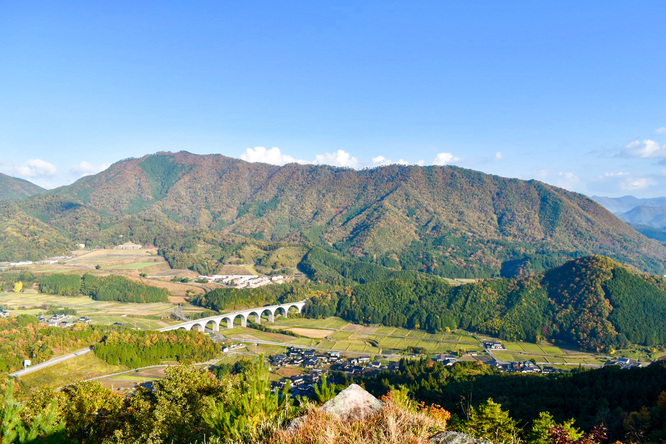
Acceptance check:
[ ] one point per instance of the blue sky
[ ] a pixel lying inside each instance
(570, 93)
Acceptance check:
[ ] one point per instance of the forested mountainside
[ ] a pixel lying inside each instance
(442, 220)
(592, 302)
(14, 188)
(658, 234)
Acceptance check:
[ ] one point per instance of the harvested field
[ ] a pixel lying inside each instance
(311, 332)
(288, 372)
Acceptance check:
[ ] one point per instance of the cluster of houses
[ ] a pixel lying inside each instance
(521, 367)
(128, 246)
(446, 359)
(309, 359)
(62, 320)
(243, 280)
(5, 314)
(303, 385)
(493, 345)
(305, 358)
(623, 363)
(363, 366)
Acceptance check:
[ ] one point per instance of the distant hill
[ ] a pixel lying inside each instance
(644, 215)
(593, 302)
(647, 216)
(619, 205)
(658, 234)
(14, 188)
(444, 220)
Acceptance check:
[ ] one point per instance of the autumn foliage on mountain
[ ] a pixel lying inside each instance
(593, 302)
(443, 220)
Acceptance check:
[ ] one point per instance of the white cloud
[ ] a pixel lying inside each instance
(273, 156)
(444, 159)
(618, 174)
(339, 158)
(567, 180)
(381, 160)
(645, 149)
(85, 168)
(36, 168)
(541, 173)
(661, 130)
(637, 184)
(498, 155)
(626, 181)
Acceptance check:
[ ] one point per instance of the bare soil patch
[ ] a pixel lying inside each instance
(311, 332)
(288, 372)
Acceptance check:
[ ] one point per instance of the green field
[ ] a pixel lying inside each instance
(392, 340)
(134, 266)
(78, 369)
(145, 316)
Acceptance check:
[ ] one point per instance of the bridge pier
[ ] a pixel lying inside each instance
(244, 315)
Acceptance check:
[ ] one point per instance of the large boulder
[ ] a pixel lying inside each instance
(353, 403)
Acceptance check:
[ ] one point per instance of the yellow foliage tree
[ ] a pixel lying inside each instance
(18, 287)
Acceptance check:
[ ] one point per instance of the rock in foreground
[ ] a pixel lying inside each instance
(449, 437)
(353, 403)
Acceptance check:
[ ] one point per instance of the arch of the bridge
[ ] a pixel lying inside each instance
(244, 315)
(285, 307)
(259, 312)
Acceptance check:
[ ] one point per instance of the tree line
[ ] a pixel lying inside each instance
(221, 299)
(143, 348)
(101, 288)
(631, 404)
(592, 302)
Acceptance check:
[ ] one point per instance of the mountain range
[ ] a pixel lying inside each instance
(647, 216)
(443, 220)
(14, 188)
(644, 215)
(620, 205)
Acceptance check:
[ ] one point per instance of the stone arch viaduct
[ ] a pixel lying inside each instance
(243, 314)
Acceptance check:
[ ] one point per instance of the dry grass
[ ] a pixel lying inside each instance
(311, 332)
(288, 372)
(395, 424)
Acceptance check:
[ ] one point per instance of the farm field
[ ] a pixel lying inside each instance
(143, 265)
(337, 335)
(380, 339)
(146, 316)
(68, 372)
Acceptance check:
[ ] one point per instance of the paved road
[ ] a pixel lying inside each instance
(136, 370)
(49, 363)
